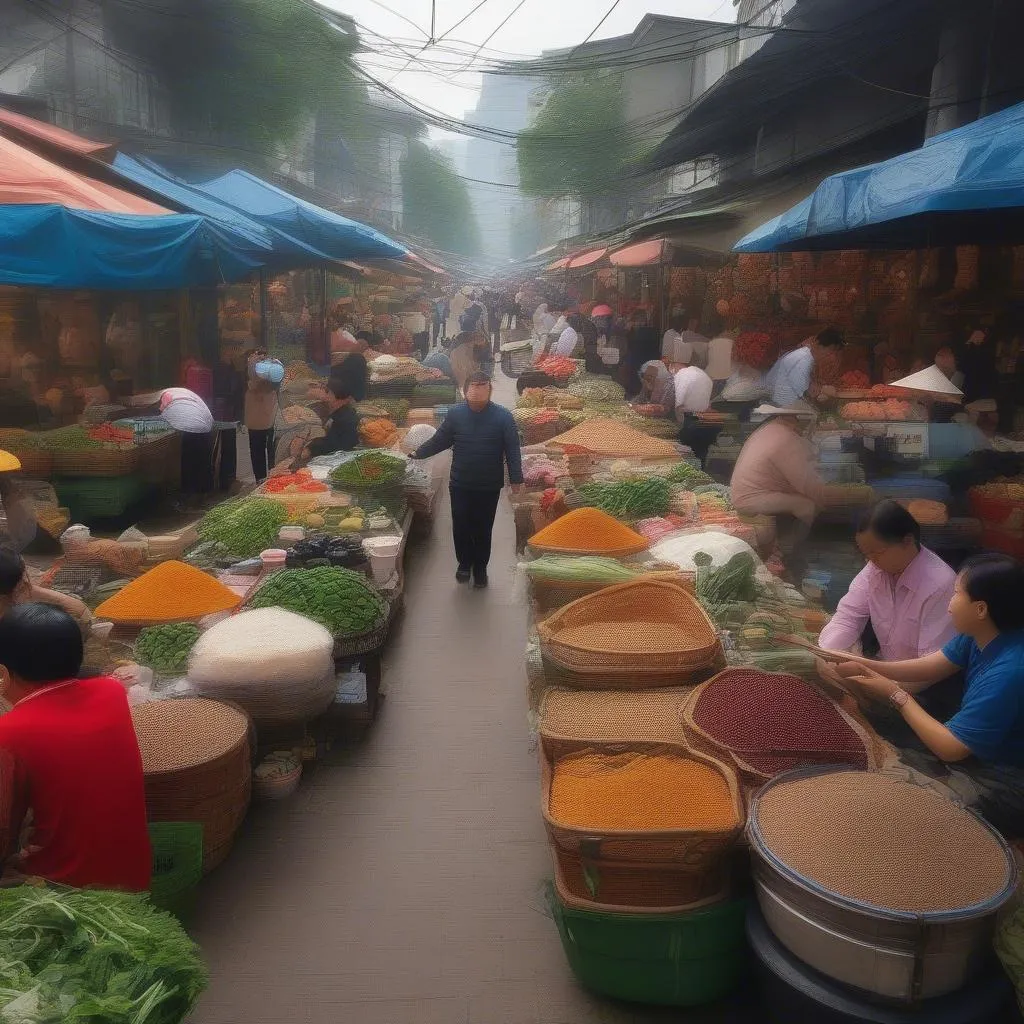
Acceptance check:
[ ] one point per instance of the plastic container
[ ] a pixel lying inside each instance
(273, 559)
(383, 552)
(688, 959)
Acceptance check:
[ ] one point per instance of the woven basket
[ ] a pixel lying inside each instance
(160, 459)
(645, 627)
(657, 868)
(551, 595)
(97, 462)
(365, 643)
(196, 759)
(752, 768)
(571, 718)
(611, 881)
(517, 362)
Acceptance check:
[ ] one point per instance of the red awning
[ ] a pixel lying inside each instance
(53, 135)
(586, 259)
(559, 264)
(643, 254)
(27, 178)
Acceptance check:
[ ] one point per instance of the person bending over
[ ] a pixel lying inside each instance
(72, 794)
(484, 439)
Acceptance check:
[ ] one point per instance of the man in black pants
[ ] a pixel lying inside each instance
(484, 439)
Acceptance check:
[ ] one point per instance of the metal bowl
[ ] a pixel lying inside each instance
(893, 955)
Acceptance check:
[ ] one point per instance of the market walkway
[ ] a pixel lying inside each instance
(403, 884)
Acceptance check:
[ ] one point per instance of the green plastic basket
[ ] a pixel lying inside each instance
(689, 959)
(177, 865)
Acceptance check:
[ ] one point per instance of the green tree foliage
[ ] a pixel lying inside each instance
(577, 143)
(252, 70)
(436, 203)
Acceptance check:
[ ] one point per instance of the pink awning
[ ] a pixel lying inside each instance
(587, 259)
(27, 178)
(53, 135)
(559, 264)
(643, 254)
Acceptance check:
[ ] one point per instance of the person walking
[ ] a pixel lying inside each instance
(484, 439)
(260, 416)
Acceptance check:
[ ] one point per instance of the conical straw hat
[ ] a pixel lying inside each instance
(9, 463)
(930, 379)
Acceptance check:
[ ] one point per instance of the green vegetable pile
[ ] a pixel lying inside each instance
(582, 569)
(371, 469)
(732, 582)
(595, 389)
(166, 648)
(686, 474)
(244, 527)
(637, 498)
(341, 600)
(396, 409)
(69, 439)
(93, 957)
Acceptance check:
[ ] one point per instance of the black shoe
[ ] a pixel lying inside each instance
(462, 576)
(480, 580)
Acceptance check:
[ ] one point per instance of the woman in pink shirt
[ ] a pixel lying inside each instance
(904, 591)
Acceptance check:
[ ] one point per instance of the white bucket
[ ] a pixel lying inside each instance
(383, 552)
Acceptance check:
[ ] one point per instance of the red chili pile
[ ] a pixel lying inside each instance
(774, 722)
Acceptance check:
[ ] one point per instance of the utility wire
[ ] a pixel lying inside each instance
(593, 32)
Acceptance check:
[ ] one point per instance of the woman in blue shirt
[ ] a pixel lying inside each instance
(985, 738)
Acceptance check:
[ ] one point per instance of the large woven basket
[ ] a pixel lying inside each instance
(647, 628)
(196, 755)
(97, 462)
(647, 869)
(569, 719)
(754, 775)
(365, 643)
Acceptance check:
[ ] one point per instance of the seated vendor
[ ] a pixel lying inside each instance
(776, 475)
(903, 592)
(981, 748)
(341, 424)
(72, 792)
(16, 587)
(657, 387)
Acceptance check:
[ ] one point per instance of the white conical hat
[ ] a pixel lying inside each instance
(930, 379)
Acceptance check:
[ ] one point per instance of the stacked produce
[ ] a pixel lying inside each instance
(614, 439)
(928, 513)
(341, 600)
(637, 498)
(396, 409)
(276, 665)
(838, 829)
(769, 723)
(591, 388)
(558, 367)
(855, 380)
(378, 433)
(891, 409)
(369, 470)
(166, 648)
(758, 351)
(345, 551)
(301, 482)
(639, 792)
(581, 569)
(94, 956)
(588, 531)
(244, 527)
(170, 591)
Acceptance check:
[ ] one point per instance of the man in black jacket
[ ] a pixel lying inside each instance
(341, 423)
(484, 438)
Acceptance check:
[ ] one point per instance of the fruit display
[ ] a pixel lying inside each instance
(166, 648)
(341, 600)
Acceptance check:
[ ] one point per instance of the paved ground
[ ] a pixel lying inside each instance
(403, 884)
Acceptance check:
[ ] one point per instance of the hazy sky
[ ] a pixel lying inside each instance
(436, 79)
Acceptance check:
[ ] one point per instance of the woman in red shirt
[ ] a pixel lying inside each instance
(70, 768)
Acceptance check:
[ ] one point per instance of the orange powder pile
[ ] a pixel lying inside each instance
(588, 531)
(641, 793)
(170, 591)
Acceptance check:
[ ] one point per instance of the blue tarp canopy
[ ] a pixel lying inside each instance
(52, 246)
(286, 250)
(337, 237)
(962, 187)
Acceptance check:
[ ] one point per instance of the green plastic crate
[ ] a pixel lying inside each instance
(177, 865)
(688, 959)
(91, 498)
